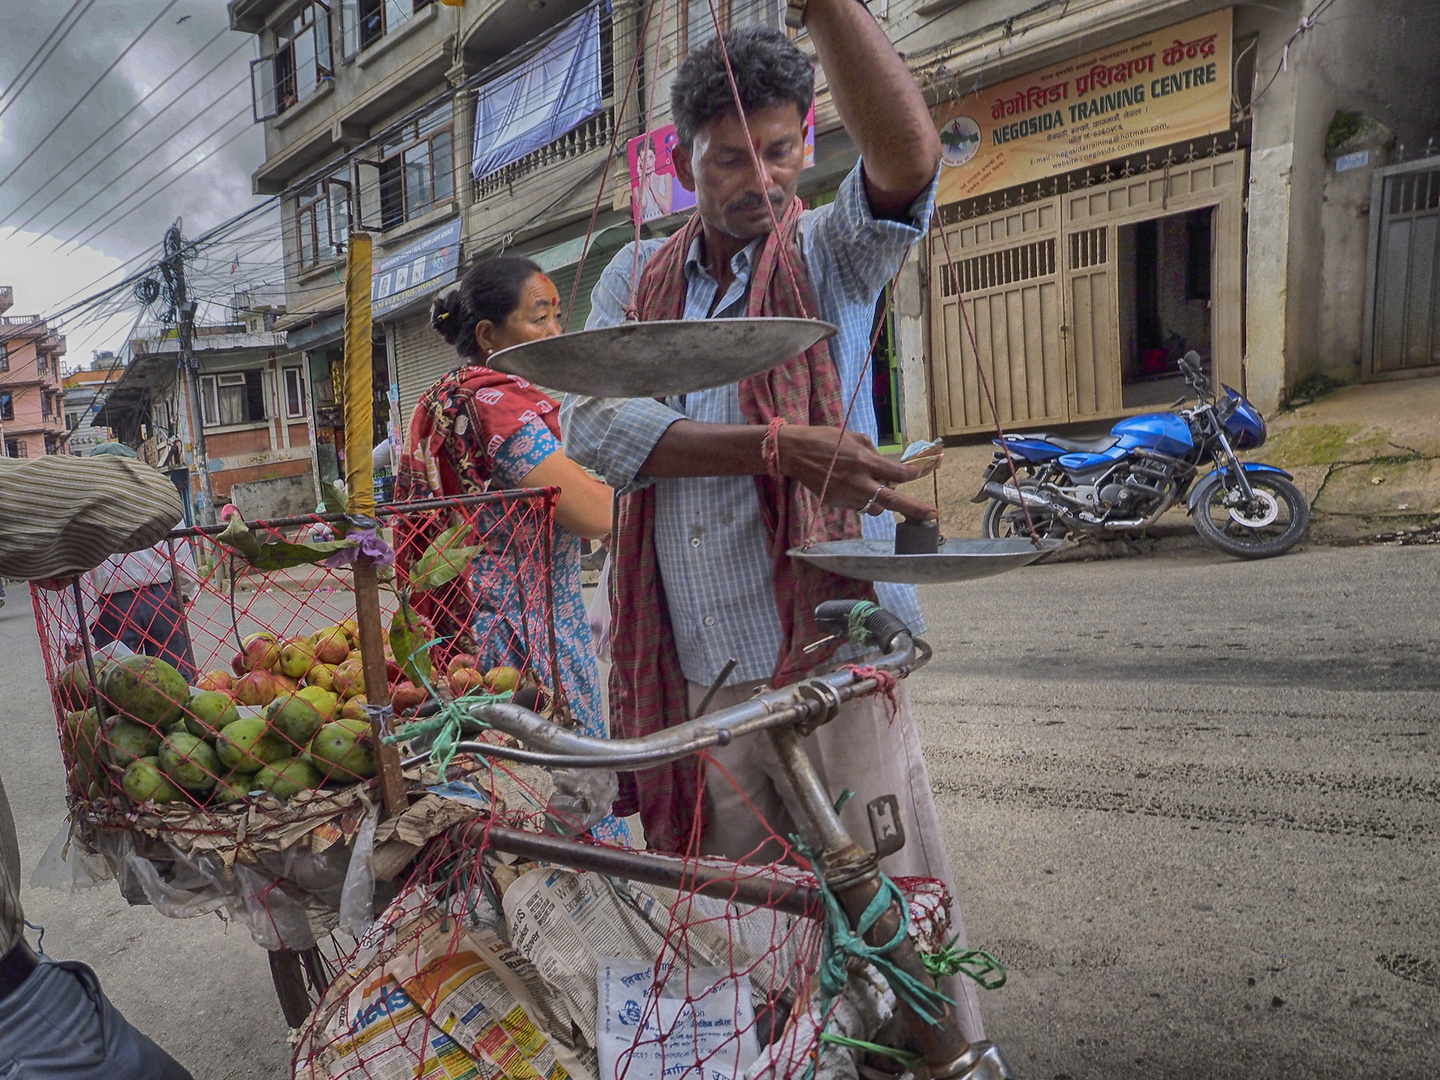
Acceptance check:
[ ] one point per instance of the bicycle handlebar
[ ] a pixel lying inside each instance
(551, 745)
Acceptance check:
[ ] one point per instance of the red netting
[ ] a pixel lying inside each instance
(206, 706)
(489, 965)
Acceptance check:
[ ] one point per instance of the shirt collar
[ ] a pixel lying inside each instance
(739, 264)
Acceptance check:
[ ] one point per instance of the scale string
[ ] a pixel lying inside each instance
(954, 271)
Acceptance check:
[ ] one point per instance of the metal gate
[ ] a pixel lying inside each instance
(1402, 305)
(1040, 283)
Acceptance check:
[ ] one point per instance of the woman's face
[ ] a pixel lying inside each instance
(646, 157)
(536, 316)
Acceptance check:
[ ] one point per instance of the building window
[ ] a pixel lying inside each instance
(364, 22)
(300, 64)
(237, 397)
(294, 394)
(44, 405)
(7, 405)
(416, 171)
(15, 448)
(322, 220)
(699, 24)
(4, 358)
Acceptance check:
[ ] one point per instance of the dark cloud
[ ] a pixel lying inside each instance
(212, 192)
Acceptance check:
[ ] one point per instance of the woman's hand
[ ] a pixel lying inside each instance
(584, 506)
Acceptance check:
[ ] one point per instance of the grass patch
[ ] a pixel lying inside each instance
(1320, 444)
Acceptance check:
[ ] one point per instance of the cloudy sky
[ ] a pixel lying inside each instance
(114, 208)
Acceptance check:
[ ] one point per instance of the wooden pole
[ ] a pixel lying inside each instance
(360, 494)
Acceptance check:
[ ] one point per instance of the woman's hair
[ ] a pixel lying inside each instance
(489, 290)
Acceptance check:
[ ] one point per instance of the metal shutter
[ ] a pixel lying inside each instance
(421, 357)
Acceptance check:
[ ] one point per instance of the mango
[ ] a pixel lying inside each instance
(145, 688)
(248, 744)
(144, 782)
(189, 761)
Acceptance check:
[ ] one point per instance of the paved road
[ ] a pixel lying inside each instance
(1196, 803)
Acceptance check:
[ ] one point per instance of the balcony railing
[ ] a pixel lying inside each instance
(19, 320)
(593, 134)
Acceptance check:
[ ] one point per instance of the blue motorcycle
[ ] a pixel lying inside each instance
(1123, 482)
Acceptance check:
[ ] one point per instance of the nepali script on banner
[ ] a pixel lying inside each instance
(1164, 87)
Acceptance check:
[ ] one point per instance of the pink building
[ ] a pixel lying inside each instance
(32, 403)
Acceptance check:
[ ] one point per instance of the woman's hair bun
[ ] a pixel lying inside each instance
(445, 316)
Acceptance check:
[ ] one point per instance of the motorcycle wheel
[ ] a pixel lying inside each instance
(1001, 520)
(1272, 527)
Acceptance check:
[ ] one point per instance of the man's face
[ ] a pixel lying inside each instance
(717, 167)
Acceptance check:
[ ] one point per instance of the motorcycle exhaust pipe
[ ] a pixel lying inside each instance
(1013, 495)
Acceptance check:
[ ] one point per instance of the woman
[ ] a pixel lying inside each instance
(477, 429)
(654, 192)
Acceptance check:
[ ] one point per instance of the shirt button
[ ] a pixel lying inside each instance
(694, 541)
(709, 620)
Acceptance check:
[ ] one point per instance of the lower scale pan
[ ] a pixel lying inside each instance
(957, 560)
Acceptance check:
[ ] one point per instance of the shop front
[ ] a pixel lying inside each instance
(1092, 222)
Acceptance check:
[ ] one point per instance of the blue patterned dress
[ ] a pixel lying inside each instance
(575, 648)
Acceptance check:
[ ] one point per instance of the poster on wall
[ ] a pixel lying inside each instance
(417, 270)
(655, 190)
(1161, 88)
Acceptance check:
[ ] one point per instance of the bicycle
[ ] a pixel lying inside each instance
(848, 871)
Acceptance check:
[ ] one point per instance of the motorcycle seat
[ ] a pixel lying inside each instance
(1083, 446)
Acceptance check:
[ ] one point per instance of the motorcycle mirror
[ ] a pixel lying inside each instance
(1178, 402)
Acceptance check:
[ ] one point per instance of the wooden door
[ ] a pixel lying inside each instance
(1006, 266)
(1092, 323)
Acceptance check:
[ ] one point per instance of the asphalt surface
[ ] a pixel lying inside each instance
(1194, 805)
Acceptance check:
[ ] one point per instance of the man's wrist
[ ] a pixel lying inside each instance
(795, 11)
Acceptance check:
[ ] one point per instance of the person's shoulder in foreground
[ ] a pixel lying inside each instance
(62, 515)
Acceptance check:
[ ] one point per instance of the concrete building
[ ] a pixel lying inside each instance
(254, 409)
(1124, 180)
(84, 396)
(32, 417)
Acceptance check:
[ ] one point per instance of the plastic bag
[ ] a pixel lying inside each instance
(581, 799)
(66, 866)
(700, 1020)
(598, 613)
(357, 895)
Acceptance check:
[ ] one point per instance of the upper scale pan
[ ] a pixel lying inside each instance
(658, 359)
(957, 560)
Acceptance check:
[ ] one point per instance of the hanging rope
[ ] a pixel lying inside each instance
(841, 944)
(632, 311)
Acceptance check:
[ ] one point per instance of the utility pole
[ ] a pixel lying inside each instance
(184, 309)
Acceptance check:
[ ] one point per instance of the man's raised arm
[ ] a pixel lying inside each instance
(878, 101)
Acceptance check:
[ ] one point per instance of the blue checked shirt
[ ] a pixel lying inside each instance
(712, 545)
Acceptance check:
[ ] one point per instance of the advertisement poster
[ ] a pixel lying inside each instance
(417, 269)
(655, 190)
(1164, 87)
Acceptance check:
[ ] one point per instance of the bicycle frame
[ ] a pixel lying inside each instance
(849, 871)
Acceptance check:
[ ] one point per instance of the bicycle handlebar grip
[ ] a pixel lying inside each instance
(833, 617)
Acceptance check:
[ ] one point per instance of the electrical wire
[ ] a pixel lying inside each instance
(89, 236)
(69, 22)
(44, 139)
(130, 112)
(43, 45)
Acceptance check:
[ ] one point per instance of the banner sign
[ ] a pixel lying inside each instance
(1164, 87)
(418, 269)
(655, 191)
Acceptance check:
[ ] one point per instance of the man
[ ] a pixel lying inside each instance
(136, 598)
(61, 516)
(715, 486)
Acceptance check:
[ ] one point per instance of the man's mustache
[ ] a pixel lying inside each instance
(755, 202)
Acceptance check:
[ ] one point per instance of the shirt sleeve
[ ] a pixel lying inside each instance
(858, 252)
(62, 515)
(614, 436)
(522, 451)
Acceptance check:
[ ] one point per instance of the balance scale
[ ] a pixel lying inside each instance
(671, 357)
